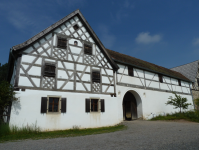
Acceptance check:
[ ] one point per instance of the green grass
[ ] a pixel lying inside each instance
(189, 115)
(14, 133)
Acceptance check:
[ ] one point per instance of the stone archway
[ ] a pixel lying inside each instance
(132, 106)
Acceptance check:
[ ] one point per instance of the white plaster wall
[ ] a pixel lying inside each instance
(139, 72)
(75, 50)
(152, 84)
(150, 102)
(149, 75)
(35, 71)
(130, 80)
(27, 111)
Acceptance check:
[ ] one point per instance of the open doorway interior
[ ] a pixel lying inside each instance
(129, 107)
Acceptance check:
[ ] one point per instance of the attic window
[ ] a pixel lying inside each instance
(96, 76)
(62, 43)
(87, 49)
(49, 70)
(179, 82)
(130, 71)
(75, 27)
(75, 43)
(160, 78)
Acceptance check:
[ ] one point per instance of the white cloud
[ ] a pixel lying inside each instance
(146, 38)
(196, 41)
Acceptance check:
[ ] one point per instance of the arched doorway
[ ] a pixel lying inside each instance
(129, 106)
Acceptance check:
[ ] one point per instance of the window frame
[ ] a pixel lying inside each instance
(99, 76)
(179, 82)
(59, 104)
(88, 44)
(49, 64)
(160, 77)
(130, 68)
(74, 27)
(62, 38)
(98, 105)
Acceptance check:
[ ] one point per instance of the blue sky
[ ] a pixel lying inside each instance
(163, 32)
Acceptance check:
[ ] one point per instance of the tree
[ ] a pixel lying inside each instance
(7, 95)
(178, 102)
(197, 102)
(3, 71)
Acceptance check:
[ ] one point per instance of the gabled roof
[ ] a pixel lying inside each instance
(129, 60)
(188, 70)
(59, 23)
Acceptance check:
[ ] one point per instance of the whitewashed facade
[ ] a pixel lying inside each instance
(65, 77)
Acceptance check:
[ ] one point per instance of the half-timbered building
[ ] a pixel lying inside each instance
(65, 77)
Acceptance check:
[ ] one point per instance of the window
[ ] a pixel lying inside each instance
(96, 76)
(95, 105)
(160, 78)
(49, 70)
(62, 43)
(75, 43)
(87, 49)
(130, 71)
(53, 104)
(179, 82)
(76, 27)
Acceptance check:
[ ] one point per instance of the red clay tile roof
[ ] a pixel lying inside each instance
(126, 59)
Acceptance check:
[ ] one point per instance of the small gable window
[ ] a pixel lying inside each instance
(160, 78)
(75, 43)
(87, 49)
(62, 43)
(130, 71)
(49, 70)
(96, 76)
(76, 27)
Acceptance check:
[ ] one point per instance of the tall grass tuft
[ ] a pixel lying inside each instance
(189, 115)
(28, 129)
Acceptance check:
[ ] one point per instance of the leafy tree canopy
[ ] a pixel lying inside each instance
(7, 94)
(3, 71)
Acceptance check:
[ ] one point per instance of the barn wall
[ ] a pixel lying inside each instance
(152, 102)
(27, 111)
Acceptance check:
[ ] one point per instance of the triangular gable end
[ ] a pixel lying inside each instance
(45, 42)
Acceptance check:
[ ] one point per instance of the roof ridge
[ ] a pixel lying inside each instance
(184, 64)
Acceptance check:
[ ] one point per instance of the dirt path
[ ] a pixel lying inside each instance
(139, 135)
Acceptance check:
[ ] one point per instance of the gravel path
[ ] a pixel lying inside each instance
(139, 135)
